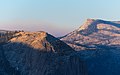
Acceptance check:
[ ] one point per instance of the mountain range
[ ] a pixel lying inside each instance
(92, 49)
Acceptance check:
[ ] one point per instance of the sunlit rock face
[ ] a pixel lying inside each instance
(94, 32)
(41, 41)
(38, 53)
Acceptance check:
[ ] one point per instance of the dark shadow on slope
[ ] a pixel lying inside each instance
(59, 45)
(102, 36)
(5, 65)
(93, 27)
(102, 61)
(113, 31)
(27, 60)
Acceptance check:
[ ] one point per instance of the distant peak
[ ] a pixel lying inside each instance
(90, 20)
(90, 26)
(86, 24)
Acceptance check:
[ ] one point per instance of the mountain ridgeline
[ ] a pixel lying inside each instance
(92, 49)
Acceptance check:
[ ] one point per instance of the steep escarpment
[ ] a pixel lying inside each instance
(39, 53)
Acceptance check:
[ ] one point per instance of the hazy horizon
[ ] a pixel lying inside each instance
(57, 17)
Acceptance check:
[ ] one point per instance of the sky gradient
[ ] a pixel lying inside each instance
(57, 17)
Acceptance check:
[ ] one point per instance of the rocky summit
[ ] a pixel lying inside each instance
(41, 41)
(92, 33)
(37, 53)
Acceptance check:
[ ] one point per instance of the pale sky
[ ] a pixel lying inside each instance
(57, 17)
